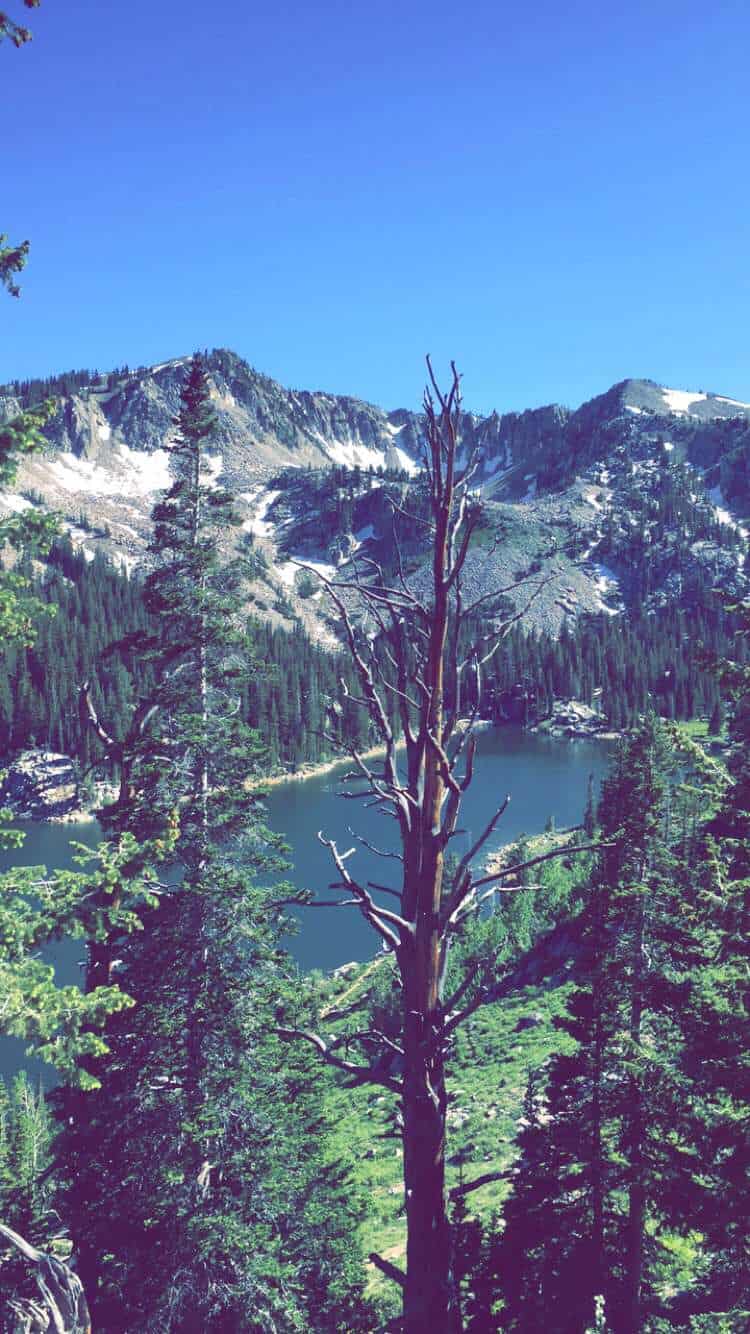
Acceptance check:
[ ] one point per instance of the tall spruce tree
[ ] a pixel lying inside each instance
(717, 1023)
(612, 1136)
(198, 1178)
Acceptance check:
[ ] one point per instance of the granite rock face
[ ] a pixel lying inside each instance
(40, 785)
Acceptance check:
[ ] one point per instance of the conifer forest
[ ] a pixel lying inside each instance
(523, 1107)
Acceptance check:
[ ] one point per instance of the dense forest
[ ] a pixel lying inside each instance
(624, 665)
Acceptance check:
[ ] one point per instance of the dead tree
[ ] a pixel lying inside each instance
(418, 655)
(62, 1306)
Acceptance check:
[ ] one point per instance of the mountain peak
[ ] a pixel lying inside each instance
(646, 396)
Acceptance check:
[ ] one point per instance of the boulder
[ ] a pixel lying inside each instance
(40, 785)
(571, 718)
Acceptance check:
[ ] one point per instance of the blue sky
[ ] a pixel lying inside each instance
(555, 194)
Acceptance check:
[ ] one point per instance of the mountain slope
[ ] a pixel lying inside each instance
(636, 495)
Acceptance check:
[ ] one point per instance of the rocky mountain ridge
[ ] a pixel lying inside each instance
(573, 498)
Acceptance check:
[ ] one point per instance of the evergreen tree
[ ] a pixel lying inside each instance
(611, 1138)
(717, 1022)
(204, 1221)
(26, 1133)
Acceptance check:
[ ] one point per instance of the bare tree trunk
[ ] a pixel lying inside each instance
(429, 1295)
(416, 666)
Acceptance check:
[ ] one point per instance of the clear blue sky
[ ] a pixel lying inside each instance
(555, 193)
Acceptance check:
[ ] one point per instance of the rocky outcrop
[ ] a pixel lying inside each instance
(571, 718)
(260, 423)
(40, 785)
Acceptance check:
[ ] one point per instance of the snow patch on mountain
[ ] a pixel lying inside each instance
(257, 524)
(349, 455)
(406, 462)
(289, 568)
(213, 466)
(175, 361)
(364, 534)
(135, 473)
(735, 402)
(724, 516)
(78, 539)
(592, 496)
(685, 402)
(680, 400)
(607, 586)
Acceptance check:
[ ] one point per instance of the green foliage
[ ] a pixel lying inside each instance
(26, 1186)
(32, 392)
(602, 1141)
(63, 1024)
(12, 257)
(199, 1184)
(26, 1135)
(287, 693)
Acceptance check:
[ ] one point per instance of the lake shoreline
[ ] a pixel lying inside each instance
(547, 780)
(307, 771)
(84, 814)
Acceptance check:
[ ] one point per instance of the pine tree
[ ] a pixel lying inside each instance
(717, 1021)
(613, 1131)
(189, 1186)
(26, 1188)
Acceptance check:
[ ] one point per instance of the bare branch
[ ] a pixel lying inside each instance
(543, 857)
(368, 1035)
(495, 593)
(384, 889)
(482, 997)
(380, 852)
(486, 833)
(87, 705)
(382, 919)
(470, 976)
(362, 1074)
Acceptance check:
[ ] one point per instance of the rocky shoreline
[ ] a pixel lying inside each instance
(43, 785)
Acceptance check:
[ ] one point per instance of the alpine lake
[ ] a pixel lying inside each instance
(547, 779)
